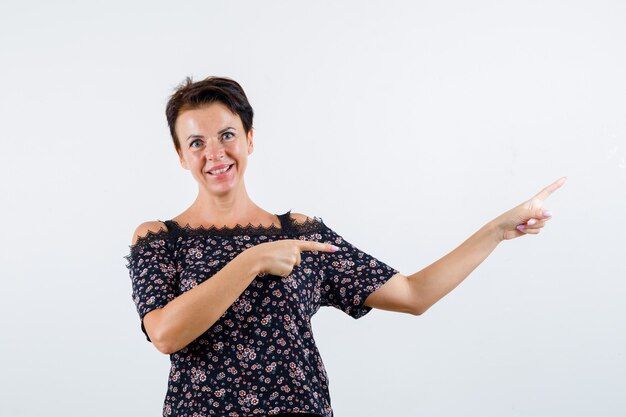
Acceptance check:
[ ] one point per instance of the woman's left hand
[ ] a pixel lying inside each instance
(529, 217)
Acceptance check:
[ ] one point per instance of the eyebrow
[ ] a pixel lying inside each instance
(196, 136)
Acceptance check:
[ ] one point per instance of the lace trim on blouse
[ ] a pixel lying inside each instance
(291, 226)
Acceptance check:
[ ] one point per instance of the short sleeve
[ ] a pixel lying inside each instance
(350, 275)
(152, 273)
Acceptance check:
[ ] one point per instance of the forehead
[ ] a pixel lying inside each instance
(210, 117)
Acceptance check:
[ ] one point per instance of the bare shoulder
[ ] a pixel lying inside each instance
(143, 229)
(299, 217)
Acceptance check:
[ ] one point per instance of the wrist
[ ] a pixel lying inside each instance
(249, 262)
(495, 230)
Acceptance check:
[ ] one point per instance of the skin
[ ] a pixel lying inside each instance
(211, 136)
(416, 293)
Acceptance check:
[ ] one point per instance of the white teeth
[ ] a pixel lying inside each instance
(219, 171)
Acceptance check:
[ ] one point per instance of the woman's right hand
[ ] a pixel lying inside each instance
(279, 257)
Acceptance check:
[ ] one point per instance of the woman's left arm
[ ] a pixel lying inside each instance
(418, 292)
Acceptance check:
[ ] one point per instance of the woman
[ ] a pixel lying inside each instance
(228, 289)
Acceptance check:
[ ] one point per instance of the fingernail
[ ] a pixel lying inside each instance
(531, 222)
(547, 213)
(521, 227)
(334, 248)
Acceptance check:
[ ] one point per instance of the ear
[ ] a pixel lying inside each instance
(250, 141)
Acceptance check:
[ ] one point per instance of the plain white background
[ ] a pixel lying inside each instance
(406, 126)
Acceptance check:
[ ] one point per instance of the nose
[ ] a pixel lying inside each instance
(214, 149)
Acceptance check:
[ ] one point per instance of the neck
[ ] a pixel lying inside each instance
(228, 209)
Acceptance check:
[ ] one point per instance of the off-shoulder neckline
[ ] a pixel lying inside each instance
(238, 227)
(292, 226)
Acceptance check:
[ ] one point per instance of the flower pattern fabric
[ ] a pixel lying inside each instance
(260, 357)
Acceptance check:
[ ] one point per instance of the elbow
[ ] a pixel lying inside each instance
(419, 309)
(165, 344)
(417, 302)
(417, 312)
(161, 341)
(163, 348)
(158, 333)
(166, 350)
(420, 302)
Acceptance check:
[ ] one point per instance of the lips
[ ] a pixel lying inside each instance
(216, 167)
(219, 170)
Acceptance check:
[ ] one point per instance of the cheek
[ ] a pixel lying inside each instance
(236, 149)
(195, 161)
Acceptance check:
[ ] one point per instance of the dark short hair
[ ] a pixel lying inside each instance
(191, 95)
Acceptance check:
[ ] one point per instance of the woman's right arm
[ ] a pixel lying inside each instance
(192, 313)
(184, 318)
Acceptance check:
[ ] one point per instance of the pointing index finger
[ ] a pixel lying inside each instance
(545, 193)
(310, 245)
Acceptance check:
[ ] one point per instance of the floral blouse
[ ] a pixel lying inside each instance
(260, 357)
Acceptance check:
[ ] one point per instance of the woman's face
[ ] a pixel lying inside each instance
(212, 138)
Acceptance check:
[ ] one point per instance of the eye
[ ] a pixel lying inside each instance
(228, 135)
(195, 141)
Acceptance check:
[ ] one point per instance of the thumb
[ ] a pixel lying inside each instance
(543, 213)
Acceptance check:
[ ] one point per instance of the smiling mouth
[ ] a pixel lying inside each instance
(221, 171)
